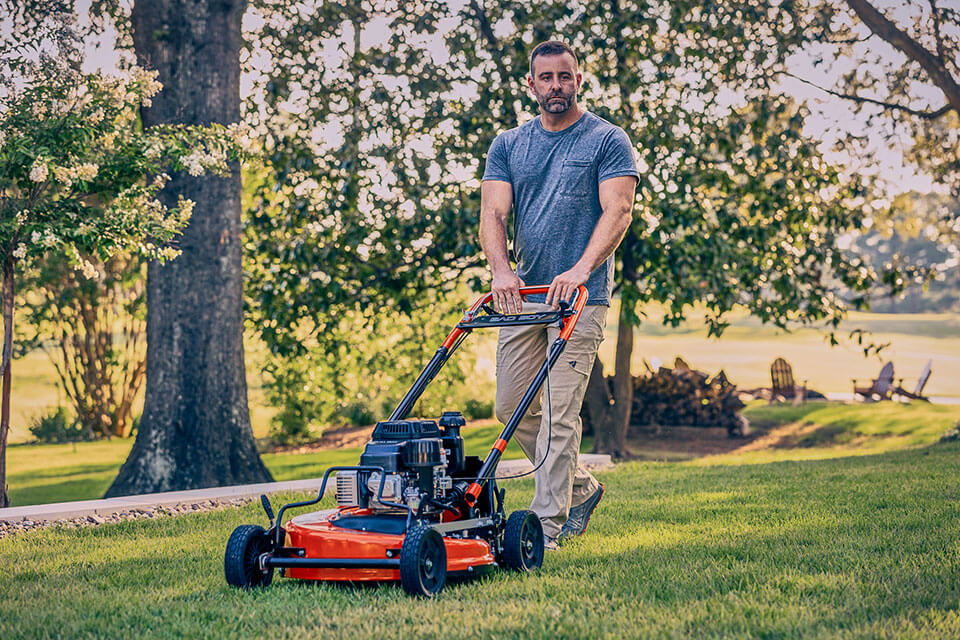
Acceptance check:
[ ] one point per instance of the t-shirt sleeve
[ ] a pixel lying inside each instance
(617, 157)
(497, 167)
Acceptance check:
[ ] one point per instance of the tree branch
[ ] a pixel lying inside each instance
(934, 66)
(938, 38)
(919, 113)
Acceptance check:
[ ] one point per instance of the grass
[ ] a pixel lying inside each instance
(39, 474)
(845, 547)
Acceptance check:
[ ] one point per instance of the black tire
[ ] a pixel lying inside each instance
(523, 542)
(241, 562)
(423, 562)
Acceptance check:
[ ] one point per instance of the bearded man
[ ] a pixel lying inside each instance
(569, 177)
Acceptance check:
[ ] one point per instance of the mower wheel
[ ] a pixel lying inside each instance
(241, 562)
(523, 542)
(423, 562)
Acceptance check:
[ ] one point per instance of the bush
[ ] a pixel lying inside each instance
(478, 409)
(57, 426)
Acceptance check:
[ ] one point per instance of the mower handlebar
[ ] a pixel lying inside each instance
(579, 301)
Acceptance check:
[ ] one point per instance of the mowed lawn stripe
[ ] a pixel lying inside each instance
(861, 546)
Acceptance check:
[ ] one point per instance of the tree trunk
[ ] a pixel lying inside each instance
(5, 365)
(195, 430)
(609, 413)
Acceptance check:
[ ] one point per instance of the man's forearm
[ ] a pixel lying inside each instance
(493, 241)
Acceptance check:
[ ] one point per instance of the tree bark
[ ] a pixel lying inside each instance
(609, 413)
(195, 430)
(5, 365)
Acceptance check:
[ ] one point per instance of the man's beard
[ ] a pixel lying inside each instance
(556, 102)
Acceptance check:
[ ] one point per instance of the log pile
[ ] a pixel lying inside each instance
(683, 396)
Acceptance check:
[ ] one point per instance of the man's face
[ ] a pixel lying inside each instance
(555, 82)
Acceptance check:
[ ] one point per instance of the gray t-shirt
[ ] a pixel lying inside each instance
(555, 177)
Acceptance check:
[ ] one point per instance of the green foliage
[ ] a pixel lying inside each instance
(356, 368)
(375, 146)
(58, 426)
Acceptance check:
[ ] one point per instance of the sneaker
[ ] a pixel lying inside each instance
(579, 518)
(550, 544)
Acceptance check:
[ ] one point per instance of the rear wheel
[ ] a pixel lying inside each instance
(241, 562)
(423, 562)
(523, 542)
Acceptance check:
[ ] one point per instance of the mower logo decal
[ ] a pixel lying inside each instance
(573, 364)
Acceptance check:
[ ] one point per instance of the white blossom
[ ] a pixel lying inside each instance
(50, 239)
(35, 237)
(20, 251)
(89, 270)
(38, 172)
(186, 207)
(22, 216)
(3, 137)
(86, 171)
(160, 181)
(193, 162)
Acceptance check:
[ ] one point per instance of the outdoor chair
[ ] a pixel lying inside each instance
(881, 388)
(917, 393)
(782, 385)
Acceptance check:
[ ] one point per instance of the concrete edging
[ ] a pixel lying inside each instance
(109, 506)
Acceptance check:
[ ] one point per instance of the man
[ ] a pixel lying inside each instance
(570, 177)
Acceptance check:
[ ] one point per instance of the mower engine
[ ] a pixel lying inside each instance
(421, 461)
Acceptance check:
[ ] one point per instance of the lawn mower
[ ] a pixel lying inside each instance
(416, 509)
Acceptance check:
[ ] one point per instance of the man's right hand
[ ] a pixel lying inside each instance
(506, 292)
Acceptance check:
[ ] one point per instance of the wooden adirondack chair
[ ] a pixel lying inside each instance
(917, 393)
(881, 387)
(782, 384)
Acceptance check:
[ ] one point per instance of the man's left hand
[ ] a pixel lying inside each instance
(565, 285)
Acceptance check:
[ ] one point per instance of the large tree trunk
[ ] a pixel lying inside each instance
(5, 364)
(195, 430)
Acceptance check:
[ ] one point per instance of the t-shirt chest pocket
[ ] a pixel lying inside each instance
(577, 178)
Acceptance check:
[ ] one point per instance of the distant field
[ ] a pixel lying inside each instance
(745, 352)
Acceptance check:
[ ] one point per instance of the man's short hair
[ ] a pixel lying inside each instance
(551, 48)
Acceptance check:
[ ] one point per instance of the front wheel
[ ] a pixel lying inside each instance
(523, 542)
(241, 562)
(423, 562)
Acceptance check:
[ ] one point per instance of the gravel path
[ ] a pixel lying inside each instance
(13, 528)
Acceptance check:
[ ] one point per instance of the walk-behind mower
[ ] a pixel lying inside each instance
(416, 509)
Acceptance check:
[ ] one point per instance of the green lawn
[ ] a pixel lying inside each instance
(38, 474)
(855, 547)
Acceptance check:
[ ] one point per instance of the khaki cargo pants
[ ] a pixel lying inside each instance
(521, 351)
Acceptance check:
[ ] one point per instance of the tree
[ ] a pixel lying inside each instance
(195, 429)
(74, 170)
(93, 331)
(735, 206)
(899, 71)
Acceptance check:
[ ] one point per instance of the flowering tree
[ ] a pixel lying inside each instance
(79, 177)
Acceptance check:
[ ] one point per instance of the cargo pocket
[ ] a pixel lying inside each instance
(577, 178)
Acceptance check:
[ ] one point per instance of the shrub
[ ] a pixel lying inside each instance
(57, 426)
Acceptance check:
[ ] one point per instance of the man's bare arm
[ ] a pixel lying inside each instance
(616, 201)
(496, 200)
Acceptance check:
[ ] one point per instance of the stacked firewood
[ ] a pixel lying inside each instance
(683, 396)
